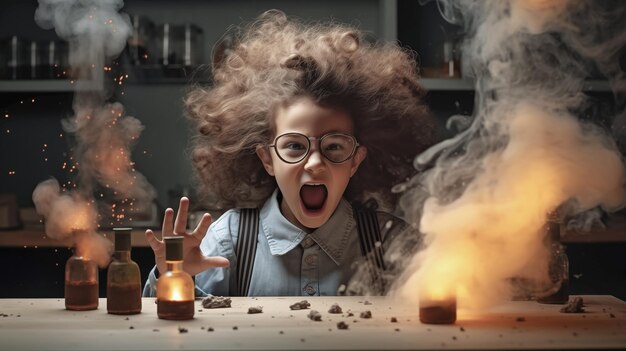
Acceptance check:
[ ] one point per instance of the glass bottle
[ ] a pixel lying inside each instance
(440, 310)
(175, 288)
(123, 277)
(81, 283)
(558, 266)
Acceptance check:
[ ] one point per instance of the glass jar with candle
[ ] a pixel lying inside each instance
(81, 283)
(123, 277)
(175, 288)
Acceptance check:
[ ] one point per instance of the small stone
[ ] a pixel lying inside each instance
(155, 330)
(202, 328)
(335, 308)
(131, 327)
(611, 315)
(394, 320)
(397, 329)
(216, 302)
(235, 328)
(454, 338)
(315, 316)
(210, 329)
(281, 332)
(520, 319)
(350, 314)
(182, 330)
(574, 305)
(366, 314)
(462, 329)
(302, 305)
(342, 325)
(367, 302)
(255, 309)
(126, 319)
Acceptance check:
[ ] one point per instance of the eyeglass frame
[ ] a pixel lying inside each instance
(309, 148)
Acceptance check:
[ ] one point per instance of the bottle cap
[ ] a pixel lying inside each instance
(122, 239)
(173, 248)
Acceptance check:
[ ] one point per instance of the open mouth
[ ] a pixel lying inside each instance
(313, 196)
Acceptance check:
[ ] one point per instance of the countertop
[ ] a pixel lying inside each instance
(44, 324)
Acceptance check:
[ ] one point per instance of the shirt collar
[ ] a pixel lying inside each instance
(283, 236)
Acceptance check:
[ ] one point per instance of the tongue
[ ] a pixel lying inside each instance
(313, 196)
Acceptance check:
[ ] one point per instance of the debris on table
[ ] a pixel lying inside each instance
(342, 325)
(315, 316)
(574, 305)
(216, 302)
(255, 309)
(302, 305)
(335, 308)
(366, 314)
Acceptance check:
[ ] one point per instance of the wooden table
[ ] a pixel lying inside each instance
(43, 324)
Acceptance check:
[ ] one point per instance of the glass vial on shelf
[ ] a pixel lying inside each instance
(81, 283)
(175, 288)
(558, 266)
(123, 277)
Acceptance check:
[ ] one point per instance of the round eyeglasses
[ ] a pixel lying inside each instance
(295, 147)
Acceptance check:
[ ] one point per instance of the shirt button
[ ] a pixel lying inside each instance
(311, 260)
(309, 290)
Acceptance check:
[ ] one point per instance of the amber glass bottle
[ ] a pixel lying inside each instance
(175, 288)
(81, 283)
(123, 277)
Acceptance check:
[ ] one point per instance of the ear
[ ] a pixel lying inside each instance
(266, 159)
(359, 156)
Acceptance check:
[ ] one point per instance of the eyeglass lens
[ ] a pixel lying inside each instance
(295, 147)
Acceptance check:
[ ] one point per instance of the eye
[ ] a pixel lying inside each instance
(295, 146)
(334, 147)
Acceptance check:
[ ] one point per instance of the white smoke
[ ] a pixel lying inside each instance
(484, 202)
(97, 32)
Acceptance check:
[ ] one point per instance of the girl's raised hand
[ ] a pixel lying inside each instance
(194, 261)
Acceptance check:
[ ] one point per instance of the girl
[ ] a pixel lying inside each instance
(302, 122)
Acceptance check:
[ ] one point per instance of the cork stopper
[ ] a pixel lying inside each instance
(122, 239)
(173, 248)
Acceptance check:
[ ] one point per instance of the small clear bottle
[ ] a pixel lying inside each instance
(123, 277)
(558, 266)
(81, 283)
(175, 288)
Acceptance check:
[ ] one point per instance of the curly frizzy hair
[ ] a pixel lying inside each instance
(274, 61)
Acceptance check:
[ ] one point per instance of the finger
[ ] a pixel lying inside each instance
(155, 244)
(168, 220)
(202, 228)
(180, 226)
(214, 262)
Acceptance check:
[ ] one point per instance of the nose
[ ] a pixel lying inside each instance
(314, 162)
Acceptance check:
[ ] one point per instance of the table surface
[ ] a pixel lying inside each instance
(44, 324)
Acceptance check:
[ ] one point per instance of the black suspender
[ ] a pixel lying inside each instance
(369, 238)
(371, 245)
(246, 248)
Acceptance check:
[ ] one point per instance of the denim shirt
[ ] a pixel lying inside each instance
(288, 262)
